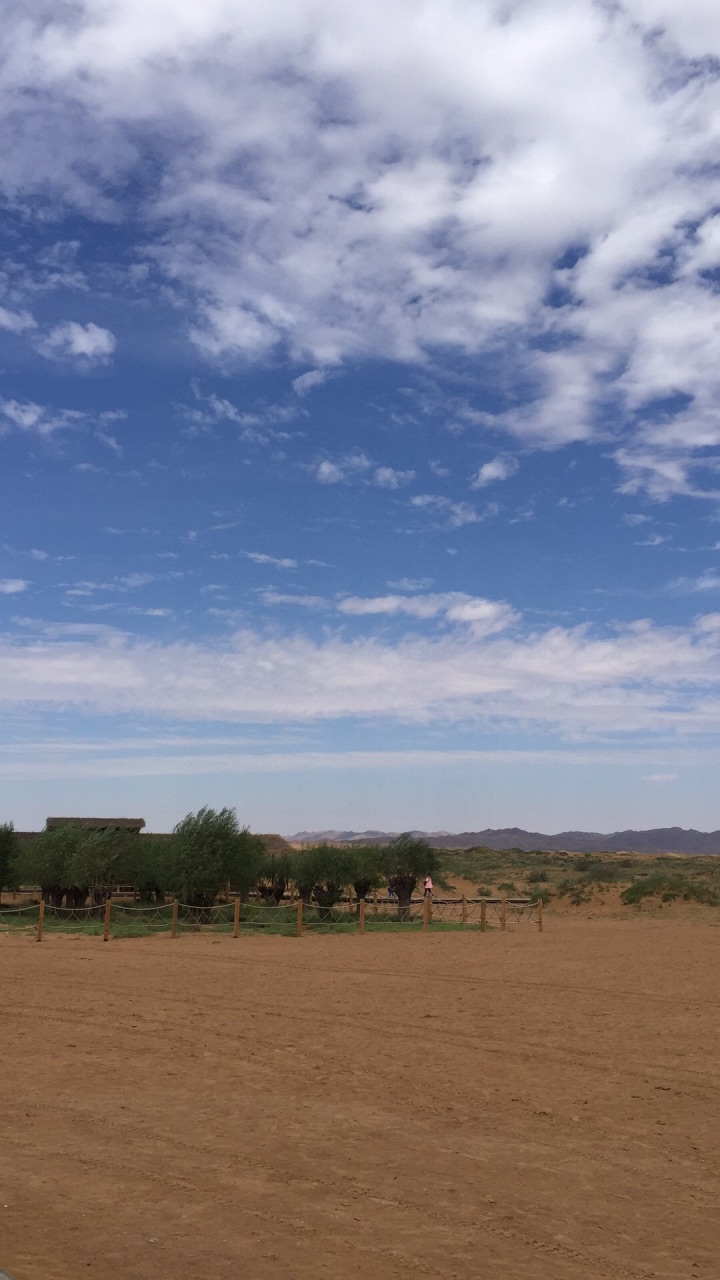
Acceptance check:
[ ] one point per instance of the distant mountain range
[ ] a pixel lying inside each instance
(659, 840)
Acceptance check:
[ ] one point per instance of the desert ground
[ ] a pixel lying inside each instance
(521, 1106)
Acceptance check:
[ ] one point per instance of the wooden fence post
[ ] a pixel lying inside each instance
(361, 916)
(464, 909)
(483, 915)
(298, 930)
(173, 928)
(236, 917)
(41, 917)
(540, 922)
(374, 902)
(503, 911)
(106, 922)
(426, 913)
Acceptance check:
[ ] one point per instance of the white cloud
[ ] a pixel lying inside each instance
(660, 777)
(71, 340)
(279, 562)
(16, 321)
(638, 679)
(454, 514)
(329, 473)
(411, 584)
(345, 180)
(705, 582)
(13, 586)
(351, 465)
(389, 478)
(306, 381)
(303, 602)
(500, 468)
(25, 415)
(484, 616)
(141, 758)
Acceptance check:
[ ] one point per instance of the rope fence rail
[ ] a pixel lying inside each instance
(118, 918)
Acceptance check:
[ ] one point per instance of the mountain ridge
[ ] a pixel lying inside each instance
(654, 840)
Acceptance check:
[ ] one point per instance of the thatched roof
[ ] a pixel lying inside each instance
(276, 844)
(96, 824)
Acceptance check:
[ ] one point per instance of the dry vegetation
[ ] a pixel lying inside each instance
(610, 881)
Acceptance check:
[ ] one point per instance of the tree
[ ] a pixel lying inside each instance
(321, 870)
(150, 866)
(274, 874)
(405, 860)
(365, 869)
(245, 862)
(209, 851)
(8, 856)
(333, 872)
(46, 862)
(303, 868)
(101, 859)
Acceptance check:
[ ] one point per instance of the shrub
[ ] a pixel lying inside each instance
(537, 877)
(669, 888)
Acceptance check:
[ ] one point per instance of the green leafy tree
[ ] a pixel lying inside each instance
(405, 860)
(365, 870)
(322, 871)
(245, 862)
(303, 868)
(151, 866)
(333, 872)
(209, 851)
(101, 860)
(8, 856)
(274, 875)
(46, 862)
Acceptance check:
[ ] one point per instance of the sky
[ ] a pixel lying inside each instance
(360, 412)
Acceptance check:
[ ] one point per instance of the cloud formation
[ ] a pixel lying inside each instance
(70, 340)
(343, 180)
(500, 468)
(567, 680)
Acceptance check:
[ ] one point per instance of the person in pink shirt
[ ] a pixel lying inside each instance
(428, 887)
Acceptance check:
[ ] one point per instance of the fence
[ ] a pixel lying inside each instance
(120, 919)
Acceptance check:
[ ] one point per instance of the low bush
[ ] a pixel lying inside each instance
(669, 888)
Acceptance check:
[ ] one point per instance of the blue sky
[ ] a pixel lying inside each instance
(359, 412)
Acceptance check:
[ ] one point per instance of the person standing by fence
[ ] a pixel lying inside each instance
(428, 887)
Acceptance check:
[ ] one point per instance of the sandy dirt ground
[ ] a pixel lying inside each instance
(515, 1106)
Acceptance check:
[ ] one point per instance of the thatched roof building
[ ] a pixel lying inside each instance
(276, 844)
(96, 824)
